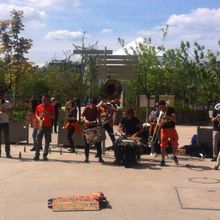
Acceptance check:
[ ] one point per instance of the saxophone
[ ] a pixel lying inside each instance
(41, 118)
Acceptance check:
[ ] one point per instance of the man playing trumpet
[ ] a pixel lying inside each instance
(44, 115)
(168, 132)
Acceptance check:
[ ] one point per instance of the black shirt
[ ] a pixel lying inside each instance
(169, 124)
(130, 125)
(216, 124)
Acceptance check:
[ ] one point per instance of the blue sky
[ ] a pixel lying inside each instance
(54, 25)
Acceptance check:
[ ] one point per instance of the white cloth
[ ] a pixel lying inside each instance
(4, 117)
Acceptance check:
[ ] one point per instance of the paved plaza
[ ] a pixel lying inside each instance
(189, 191)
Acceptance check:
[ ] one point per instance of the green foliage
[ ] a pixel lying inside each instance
(19, 116)
(189, 72)
(13, 47)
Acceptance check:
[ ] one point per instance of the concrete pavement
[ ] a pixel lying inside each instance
(189, 191)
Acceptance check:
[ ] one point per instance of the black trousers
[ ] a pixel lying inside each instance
(98, 147)
(55, 121)
(70, 132)
(4, 127)
(110, 131)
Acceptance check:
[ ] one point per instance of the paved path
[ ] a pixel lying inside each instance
(189, 191)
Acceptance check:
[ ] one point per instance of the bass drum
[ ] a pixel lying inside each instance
(126, 152)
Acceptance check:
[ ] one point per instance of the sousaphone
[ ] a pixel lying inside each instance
(217, 106)
(112, 89)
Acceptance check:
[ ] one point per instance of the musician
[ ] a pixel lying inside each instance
(152, 119)
(45, 115)
(168, 131)
(5, 112)
(91, 119)
(130, 126)
(71, 123)
(106, 114)
(33, 120)
(216, 130)
(57, 106)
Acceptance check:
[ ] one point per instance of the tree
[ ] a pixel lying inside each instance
(14, 46)
(149, 72)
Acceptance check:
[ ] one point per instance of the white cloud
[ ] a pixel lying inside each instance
(107, 30)
(31, 15)
(58, 4)
(64, 35)
(201, 25)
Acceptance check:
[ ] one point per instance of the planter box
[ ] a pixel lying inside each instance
(18, 132)
(62, 137)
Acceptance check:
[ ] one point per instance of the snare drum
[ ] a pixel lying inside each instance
(94, 135)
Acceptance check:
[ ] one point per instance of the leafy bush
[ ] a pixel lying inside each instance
(19, 116)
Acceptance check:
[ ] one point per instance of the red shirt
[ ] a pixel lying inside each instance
(48, 114)
(91, 114)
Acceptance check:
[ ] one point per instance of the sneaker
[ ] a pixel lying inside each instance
(216, 166)
(96, 156)
(36, 158)
(214, 159)
(162, 163)
(71, 150)
(175, 160)
(8, 156)
(45, 158)
(32, 149)
(86, 160)
(101, 160)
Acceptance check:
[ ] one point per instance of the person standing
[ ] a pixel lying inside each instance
(106, 114)
(71, 123)
(33, 120)
(57, 107)
(45, 116)
(216, 130)
(168, 132)
(5, 111)
(91, 119)
(153, 131)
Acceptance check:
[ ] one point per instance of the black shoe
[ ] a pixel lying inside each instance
(214, 159)
(162, 163)
(176, 160)
(32, 149)
(36, 158)
(86, 160)
(117, 163)
(45, 158)
(96, 156)
(137, 163)
(101, 160)
(8, 156)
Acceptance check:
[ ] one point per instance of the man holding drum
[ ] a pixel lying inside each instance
(93, 132)
(131, 130)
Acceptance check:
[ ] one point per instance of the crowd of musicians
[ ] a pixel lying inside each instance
(157, 134)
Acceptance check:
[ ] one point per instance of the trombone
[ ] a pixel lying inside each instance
(152, 139)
